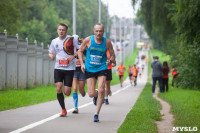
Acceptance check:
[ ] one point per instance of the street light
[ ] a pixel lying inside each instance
(74, 17)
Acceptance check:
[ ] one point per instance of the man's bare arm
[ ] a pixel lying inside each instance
(80, 52)
(111, 51)
(51, 56)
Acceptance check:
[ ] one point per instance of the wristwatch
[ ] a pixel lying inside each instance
(75, 56)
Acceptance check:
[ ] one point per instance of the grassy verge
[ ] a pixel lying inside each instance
(143, 114)
(18, 98)
(185, 106)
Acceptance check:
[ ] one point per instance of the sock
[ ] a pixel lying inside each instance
(75, 97)
(61, 101)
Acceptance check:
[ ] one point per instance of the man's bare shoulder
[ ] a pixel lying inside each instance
(108, 43)
(87, 39)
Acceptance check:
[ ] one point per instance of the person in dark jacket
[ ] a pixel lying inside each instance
(156, 73)
(165, 77)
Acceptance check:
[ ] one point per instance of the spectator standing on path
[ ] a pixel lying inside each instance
(174, 74)
(156, 74)
(78, 82)
(96, 65)
(108, 79)
(63, 49)
(165, 77)
(121, 70)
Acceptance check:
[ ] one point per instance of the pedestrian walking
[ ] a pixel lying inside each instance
(156, 74)
(96, 65)
(165, 77)
(63, 50)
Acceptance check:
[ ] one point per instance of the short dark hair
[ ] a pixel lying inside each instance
(63, 24)
(99, 24)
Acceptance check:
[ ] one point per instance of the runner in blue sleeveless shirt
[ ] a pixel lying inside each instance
(96, 57)
(96, 65)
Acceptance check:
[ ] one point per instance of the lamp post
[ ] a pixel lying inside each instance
(99, 11)
(74, 17)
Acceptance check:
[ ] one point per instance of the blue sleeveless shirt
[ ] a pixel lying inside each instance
(96, 57)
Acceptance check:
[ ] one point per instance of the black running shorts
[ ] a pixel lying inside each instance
(64, 75)
(95, 74)
(109, 74)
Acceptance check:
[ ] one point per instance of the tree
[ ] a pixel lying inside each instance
(9, 16)
(34, 30)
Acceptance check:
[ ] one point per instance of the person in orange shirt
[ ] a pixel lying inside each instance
(174, 74)
(108, 79)
(121, 70)
(135, 73)
(146, 60)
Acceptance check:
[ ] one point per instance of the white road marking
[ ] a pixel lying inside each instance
(25, 128)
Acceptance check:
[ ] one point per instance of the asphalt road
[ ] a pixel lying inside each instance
(44, 117)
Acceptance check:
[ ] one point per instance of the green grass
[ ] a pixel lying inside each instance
(162, 56)
(185, 106)
(18, 98)
(143, 114)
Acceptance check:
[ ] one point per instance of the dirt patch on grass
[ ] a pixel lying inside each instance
(166, 124)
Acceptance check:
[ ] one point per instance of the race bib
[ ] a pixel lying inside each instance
(63, 62)
(95, 59)
(78, 63)
(121, 70)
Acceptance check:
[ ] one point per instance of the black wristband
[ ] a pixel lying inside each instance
(75, 56)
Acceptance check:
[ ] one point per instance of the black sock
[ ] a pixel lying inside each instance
(60, 98)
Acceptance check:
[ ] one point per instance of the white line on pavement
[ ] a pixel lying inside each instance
(56, 115)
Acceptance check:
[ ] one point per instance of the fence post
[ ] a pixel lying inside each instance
(51, 71)
(46, 66)
(3, 37)
(39, 63)
(11, 62)
(31, 64)
(22, 63)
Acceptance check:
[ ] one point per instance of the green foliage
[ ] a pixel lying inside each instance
(139, 19)
(22, 16)
(9, 16)
(186, 58)
(143, 114)
(174, 28)
(34, 30)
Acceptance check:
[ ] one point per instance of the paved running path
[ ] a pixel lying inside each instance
(43, 118)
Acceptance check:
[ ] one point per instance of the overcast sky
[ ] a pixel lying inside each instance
(121, 8)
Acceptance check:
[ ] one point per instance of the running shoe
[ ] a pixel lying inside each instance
(64, 113)
(110, 94)
(83, 95)
(96, 119)
(106, 101)
(75, 111)
(95, 98)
